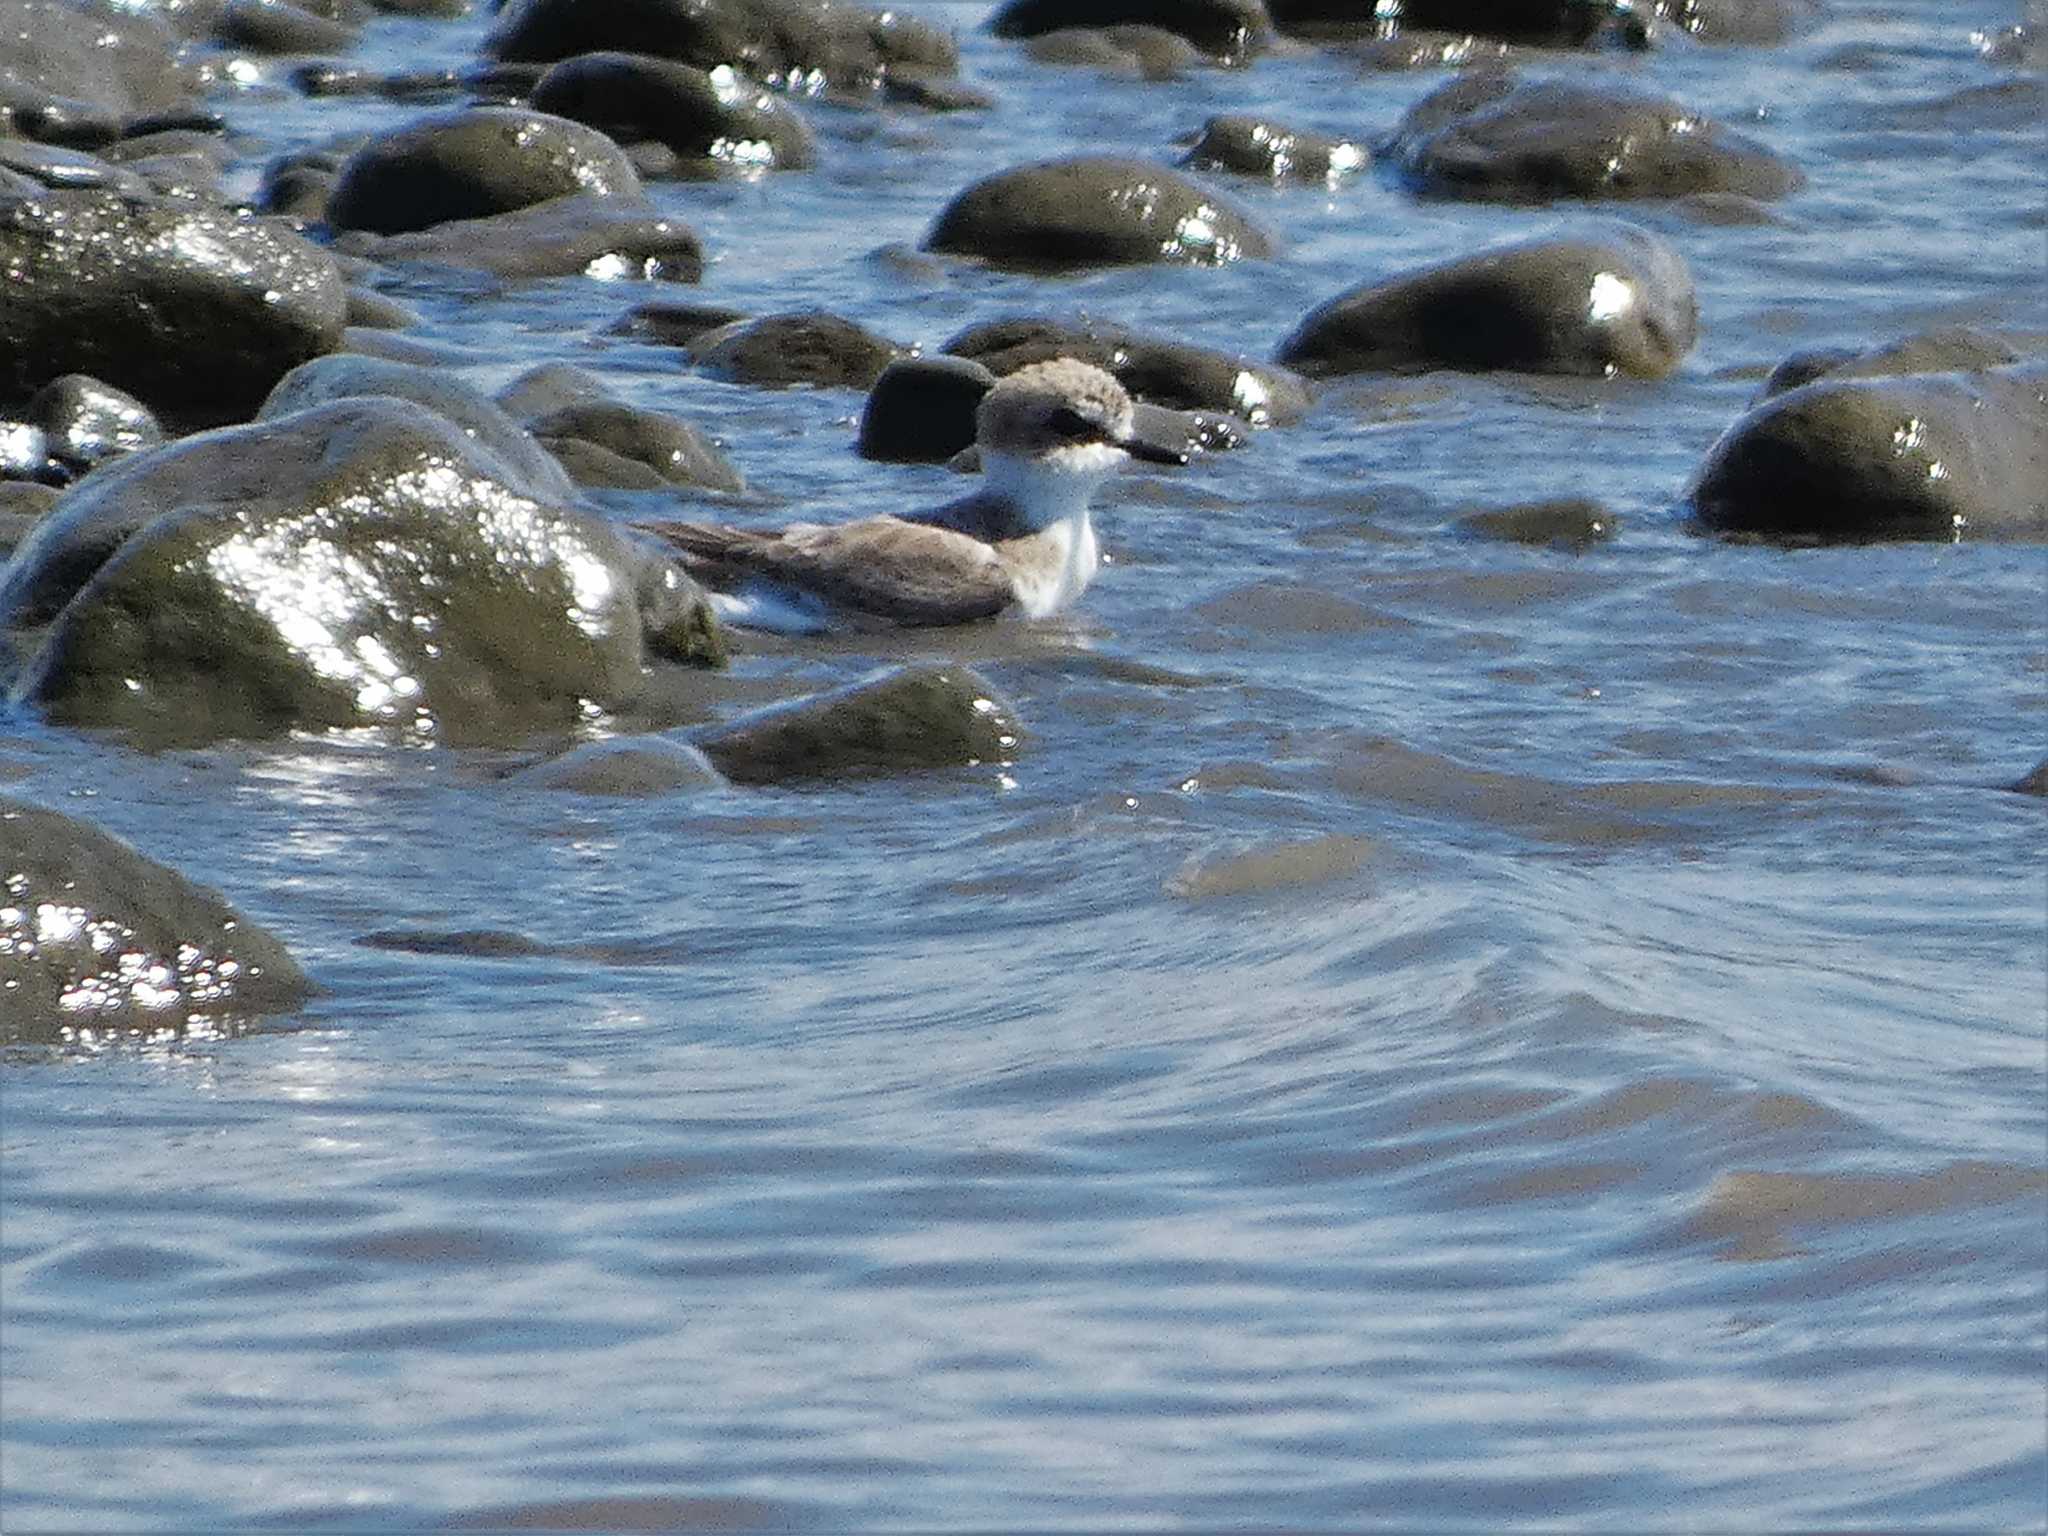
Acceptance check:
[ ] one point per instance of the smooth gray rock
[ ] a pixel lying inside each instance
(1950, 349)
(1914, 456)
(278, 26)
(716, 115)
(793, 44)
(361, 563)
(901, 720)
(80, 71)
(1095, 210)
(1492, 137)
(1255, 146)
(636, 450)
(193, 311)
(95, 936)
(1229, 31)
(628, 767)
(1604, 298)
(1142, 53)
(1574, 523)
(673, 324)
(921, 409)
(605, 237)
(1175, 374)
(472, 164)
(802, 347)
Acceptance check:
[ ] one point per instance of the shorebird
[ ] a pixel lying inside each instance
(1049, 434)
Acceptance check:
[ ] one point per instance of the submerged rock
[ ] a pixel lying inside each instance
(95, 936)
(1142, 53)
(1095, 210)
(1230, 31)
(1574, 523)
(1607, 298)
(1491, 137)
(610, 238)
(715, 114)
(1174, 374)
(1913, 456)
(803, 347)
(472, 164)
(1951, 349)
(627, 767)
(195, 312)
(364, 562)
(898, 721)
(1253, 146)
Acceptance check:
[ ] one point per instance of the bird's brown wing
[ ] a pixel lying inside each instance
(909, 573)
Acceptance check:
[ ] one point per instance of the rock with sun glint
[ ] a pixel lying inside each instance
(904, 719)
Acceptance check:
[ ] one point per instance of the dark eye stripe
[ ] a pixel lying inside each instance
(1069, 422)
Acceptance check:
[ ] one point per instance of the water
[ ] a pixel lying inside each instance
(1427, 1032)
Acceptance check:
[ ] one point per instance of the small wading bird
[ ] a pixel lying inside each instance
(1048, 434)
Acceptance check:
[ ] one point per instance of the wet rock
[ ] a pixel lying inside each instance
(1915, 456)
(361, 563)
(350, 376)
(53, 167)
(1095, 210)
(803, 347)
(1604, 298)
(921, 409)
(86, 422)
(277, 26)
(604, 443)
(192, 310)
(627, 767)
(1143, 53)
(1169, 373)
(23, 504)
(25, 454)
(603, 237)
(2035, 783)
(1950, 349)
(379, 313)
(1546, 23)
(455, 166)
(1513, 142)
(901, 720)
(550, 387)
(798, 45)
(298, 186)
(1230, 31)
(95, 936)
(933, 91)
(1253, 146)
(671, 324)
(80, 72)
(714, 115)
(1573, 523)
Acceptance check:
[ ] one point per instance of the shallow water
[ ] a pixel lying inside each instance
(1427, 1031)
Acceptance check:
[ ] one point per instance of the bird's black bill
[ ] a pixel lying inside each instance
(1157, 437)
(1155, 453)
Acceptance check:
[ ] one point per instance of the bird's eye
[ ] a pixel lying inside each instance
(1070, 423)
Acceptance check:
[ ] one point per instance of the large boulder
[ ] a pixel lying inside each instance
(1607, 298)
(194, 311)
(1913, 456)
(1230, 31)
(906, 718)
(83, 71)
(612, 238)
(1492, 137)
(798, 45)
(717, 115)
(93, 936)
(472, 164)
(1095, 210)
(361, 563)
(922, 409)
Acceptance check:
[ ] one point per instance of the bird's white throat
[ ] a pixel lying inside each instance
(1048, 488)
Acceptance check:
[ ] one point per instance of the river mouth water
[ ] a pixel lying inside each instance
(1427, 1031)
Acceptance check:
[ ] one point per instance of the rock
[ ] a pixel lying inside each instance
(672, 324)
(1606, 298)
(83, 72)
(921, 409)
(1095, 210)
(23, 504)
(454, 166)
(933, 91)
(1253, 146)
(25, 454)
(1951, 349)
(632, 766)
(1230, 31)
(634, 450)
(277, 26)
(1573, 523)
(900, 720)
(52, 167)
(1545, 23)
(2034, 783)
(1515, 142)
(1143, 53)
(602, 237)
(713, 115)
(1915, 456)
(1169, 373)
(363, 563)
(87, 422)
(550, 387)
(193, 311)
(797, 45)
(803, 347)
(93, 936)
(349, 376)
(377, 312)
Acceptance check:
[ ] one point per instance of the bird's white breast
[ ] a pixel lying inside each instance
(1060, 568)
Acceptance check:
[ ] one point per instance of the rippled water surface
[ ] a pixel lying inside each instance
(1427, 1031)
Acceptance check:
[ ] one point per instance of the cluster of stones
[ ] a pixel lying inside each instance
(236, 510)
